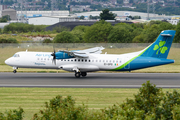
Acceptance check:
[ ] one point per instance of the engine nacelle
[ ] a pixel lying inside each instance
(62, 55)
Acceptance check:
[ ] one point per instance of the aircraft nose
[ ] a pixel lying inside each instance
(7, 61)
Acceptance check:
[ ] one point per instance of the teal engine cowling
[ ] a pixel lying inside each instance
(62, 55)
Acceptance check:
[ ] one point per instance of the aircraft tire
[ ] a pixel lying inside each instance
(83, 74)
(14, 71)
(77, 74)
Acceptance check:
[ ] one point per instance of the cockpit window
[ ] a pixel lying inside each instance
(16, 55)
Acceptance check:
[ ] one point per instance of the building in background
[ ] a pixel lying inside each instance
(50, 20)
(2, 7)
(173, 21)
(43, 13)
(23, 16)
(11, 13)
(126, 13)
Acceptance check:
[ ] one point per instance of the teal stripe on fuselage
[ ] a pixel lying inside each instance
(144, 62)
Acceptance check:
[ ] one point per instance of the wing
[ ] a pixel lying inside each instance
(95, 50)
(84, 53)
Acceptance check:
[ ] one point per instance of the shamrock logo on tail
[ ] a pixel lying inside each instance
(160, 47)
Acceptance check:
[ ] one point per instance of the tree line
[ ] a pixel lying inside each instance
(23, 28)
(150, 103)
(101, 32)
(104, 32)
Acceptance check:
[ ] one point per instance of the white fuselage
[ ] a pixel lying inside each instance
(94, 62)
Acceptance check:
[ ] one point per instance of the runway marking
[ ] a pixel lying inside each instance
(89, 86)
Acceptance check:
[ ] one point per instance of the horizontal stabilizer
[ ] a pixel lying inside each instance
(166, 35)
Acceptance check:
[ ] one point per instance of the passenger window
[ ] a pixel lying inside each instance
(92, 60)
(113, 61)
(44, 58)
(64, 60)
(106, 60)
(119, 61)
(85, 60)
(71, 60)
(99, 60)
(96, 60)
(41, 58)
(89, 60)
(37, 58)
(103, 60)
(78, 60)
(61, 59)
(75, 60)
(68, 60)
(82, 60)
(110, 61)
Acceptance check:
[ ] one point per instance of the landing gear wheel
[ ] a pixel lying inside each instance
(77, 74)
(83, 74)
(14, 71)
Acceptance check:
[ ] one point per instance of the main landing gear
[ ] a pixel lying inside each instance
(79, 74)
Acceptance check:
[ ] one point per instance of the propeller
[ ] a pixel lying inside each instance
(54, 57)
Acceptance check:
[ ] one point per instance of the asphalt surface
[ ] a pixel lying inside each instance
(92, 80)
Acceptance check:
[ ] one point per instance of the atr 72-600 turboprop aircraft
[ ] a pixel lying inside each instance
(90, 60)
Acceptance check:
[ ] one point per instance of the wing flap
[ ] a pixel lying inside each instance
(80, 55)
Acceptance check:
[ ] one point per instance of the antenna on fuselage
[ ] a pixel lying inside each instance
(27, 48)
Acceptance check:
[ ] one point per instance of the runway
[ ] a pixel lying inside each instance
(92, 80)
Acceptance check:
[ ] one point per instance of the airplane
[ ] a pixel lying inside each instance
(90, 60)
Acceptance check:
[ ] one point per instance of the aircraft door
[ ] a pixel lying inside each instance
(126, 66)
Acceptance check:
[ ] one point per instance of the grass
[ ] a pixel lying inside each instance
(32, 99)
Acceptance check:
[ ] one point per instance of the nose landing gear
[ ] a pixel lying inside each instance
(14, 71)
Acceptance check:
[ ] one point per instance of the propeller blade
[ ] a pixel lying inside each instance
(54, 57)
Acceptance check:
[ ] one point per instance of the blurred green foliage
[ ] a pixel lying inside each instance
(47, 41)
(104, 32)
(9, 40)
(65, 37)
(107, 15)
(12, 115)
(23, 28)
(150, 103)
